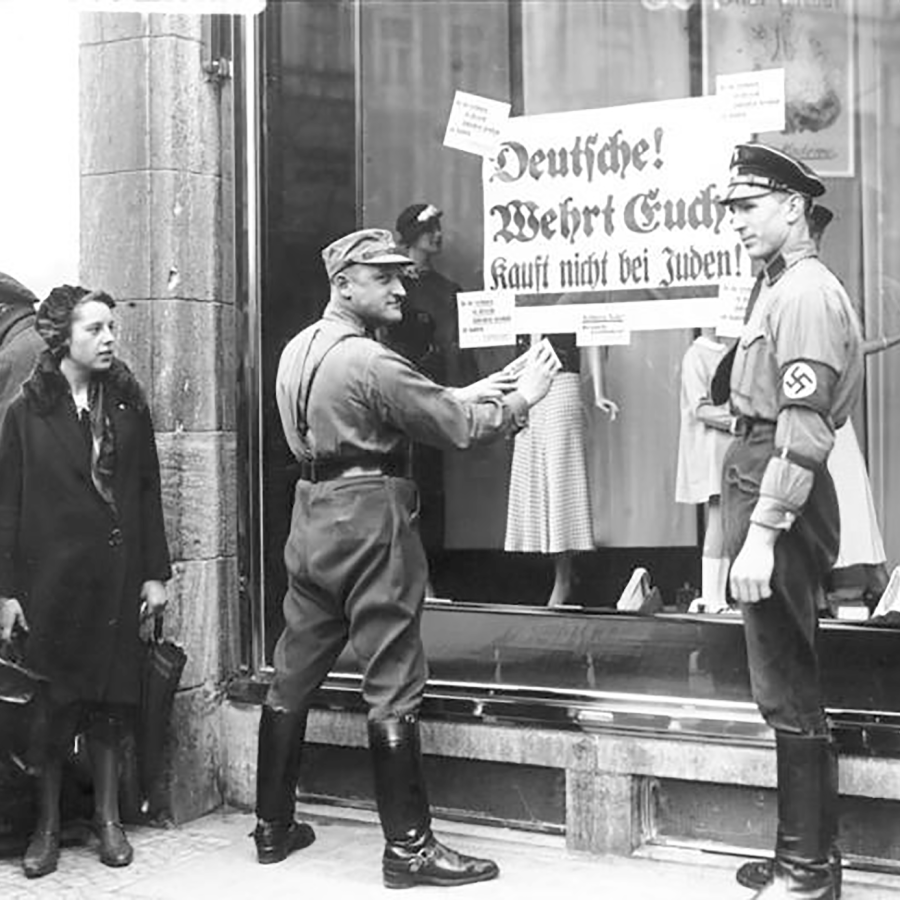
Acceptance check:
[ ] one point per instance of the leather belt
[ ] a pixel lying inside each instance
(328, 468)
(744, 425)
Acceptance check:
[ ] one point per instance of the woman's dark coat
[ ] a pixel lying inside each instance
(74, 563)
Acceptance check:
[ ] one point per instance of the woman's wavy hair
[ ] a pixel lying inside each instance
(55, 314)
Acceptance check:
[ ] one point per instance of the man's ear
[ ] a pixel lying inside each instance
(797, 209)
(342, 283)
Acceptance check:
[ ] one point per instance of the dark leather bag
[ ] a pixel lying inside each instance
(21, 702)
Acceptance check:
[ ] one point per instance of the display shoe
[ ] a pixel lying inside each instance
(405, 866)
(115, 850)
(42, 854)
(756, 873)
(275, 840)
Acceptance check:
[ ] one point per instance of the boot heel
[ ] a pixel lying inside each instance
(398, 880)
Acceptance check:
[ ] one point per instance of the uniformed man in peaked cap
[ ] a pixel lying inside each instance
(356, 568)
(796, 376)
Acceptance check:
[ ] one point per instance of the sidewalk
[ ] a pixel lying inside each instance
(214, 857)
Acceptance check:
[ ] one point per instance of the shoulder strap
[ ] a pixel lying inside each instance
(303, 395)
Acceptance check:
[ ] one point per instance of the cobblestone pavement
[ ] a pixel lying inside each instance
(214, 858)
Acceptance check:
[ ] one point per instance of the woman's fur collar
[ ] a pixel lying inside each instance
(47, 386)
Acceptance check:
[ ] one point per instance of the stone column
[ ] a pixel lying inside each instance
(155, 233)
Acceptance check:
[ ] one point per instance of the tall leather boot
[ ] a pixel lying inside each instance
(801, 867)
(277, 834)
(412, 854)
(759, 872)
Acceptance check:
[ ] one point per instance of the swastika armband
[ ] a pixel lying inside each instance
(804, 382)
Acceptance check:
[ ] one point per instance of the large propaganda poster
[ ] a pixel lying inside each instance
(611, 214)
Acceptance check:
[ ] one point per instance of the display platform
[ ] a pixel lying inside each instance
(670, 674)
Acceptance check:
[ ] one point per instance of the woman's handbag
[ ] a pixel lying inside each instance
(21, 706)
(163, 664)
(22, 712)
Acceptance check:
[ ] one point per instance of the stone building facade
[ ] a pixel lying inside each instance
(156, 212)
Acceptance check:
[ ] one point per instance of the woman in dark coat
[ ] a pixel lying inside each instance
(82, 549)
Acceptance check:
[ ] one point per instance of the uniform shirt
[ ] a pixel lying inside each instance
(366, 398)
(799, 364)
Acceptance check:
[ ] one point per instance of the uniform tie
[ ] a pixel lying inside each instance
(720, 387)
(754, 296)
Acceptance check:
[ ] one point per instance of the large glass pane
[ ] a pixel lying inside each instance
(602, 55)
(414, 56)
(355, 135)
(540, 56)
(309, 168)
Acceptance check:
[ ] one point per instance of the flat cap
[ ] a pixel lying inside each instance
(371, 246)
(12, 291)
(416, 220)
(757, 169)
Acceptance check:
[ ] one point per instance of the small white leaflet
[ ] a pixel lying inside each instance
(752, 102)
(475, 123)
(734, 294)
(604, 329)
(486, 318)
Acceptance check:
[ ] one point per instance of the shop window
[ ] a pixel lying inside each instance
(354, 136)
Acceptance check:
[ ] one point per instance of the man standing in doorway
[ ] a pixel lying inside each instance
(797, 374)
(356, 568)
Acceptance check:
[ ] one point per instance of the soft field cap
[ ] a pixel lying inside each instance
(371, 246)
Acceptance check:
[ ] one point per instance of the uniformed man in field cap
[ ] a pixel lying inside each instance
(349, 407)
(797, 374)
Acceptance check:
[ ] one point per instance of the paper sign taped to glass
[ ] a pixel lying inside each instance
(485, 318)
(611, 211)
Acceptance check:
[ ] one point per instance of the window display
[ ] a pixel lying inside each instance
(605, 88)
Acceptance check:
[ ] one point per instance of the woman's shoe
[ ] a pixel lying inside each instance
(115, 850)
(42, 854)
